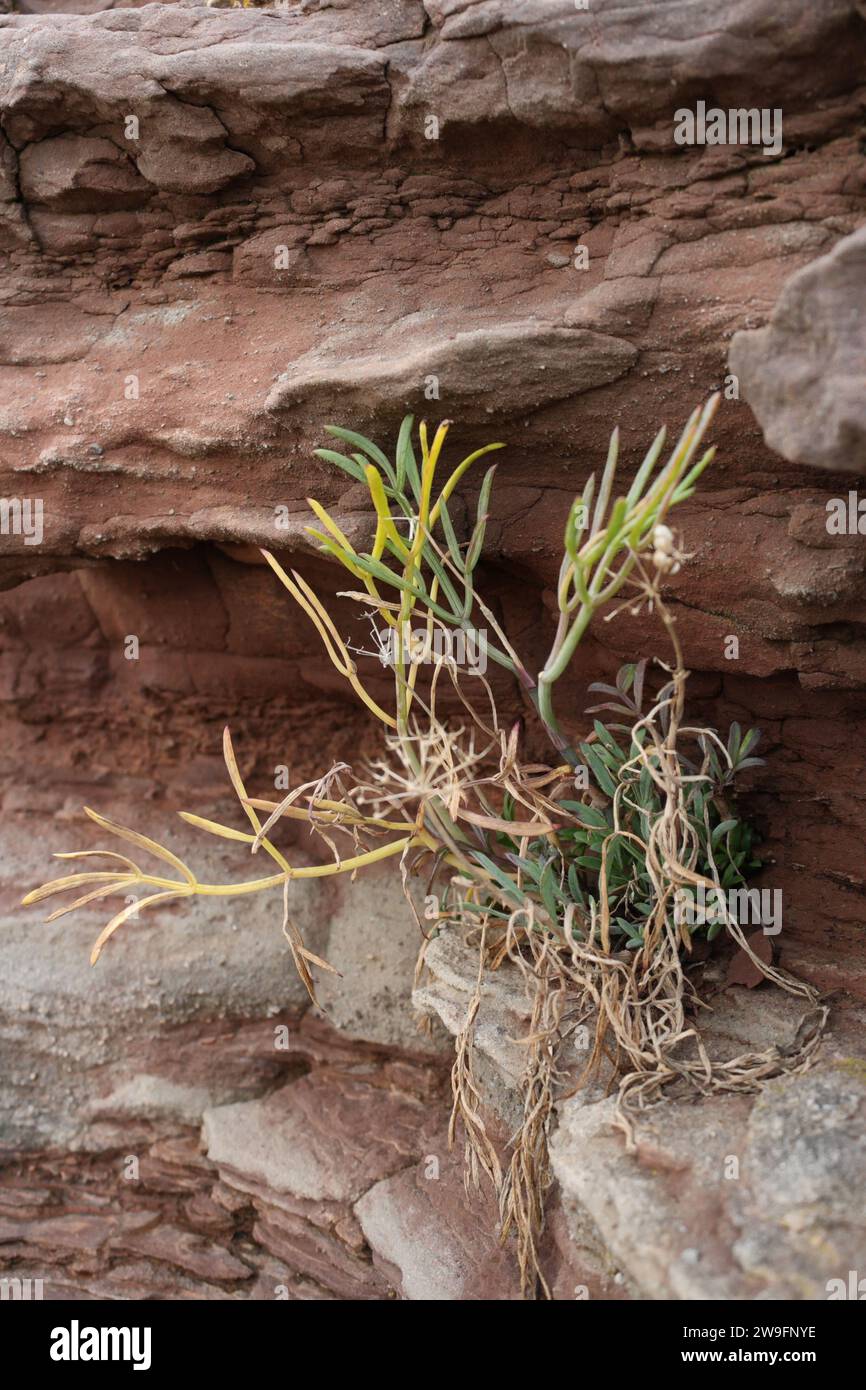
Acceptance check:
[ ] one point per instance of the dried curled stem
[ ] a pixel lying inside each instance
(638, 1001)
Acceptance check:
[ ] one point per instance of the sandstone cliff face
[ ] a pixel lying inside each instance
(222, 229)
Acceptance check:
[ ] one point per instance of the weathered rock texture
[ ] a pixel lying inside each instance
(223, 229)
(288, 1196)
(804, 373)
(731, 1196)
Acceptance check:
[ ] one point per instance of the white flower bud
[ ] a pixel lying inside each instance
(663, 539)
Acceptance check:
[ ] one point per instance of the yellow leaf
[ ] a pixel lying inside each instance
(126, 912)
(214, 828)
(508, 827)
(315, 610)
(142, 841)
(95, 853)
(105, 891)
(59, 885)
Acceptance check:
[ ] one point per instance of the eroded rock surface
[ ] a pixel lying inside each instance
(222, 229)
(237, 228)
(726, 1196)
(804, 373)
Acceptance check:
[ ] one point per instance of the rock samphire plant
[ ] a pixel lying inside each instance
(575, 871)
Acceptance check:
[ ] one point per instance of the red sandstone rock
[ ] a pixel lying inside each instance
(166, 372)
